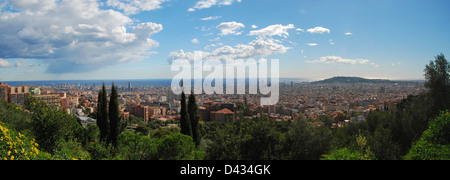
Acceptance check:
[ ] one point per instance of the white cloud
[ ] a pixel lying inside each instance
(228, 28)
(331, 41)
(375, 65)
(135, 6)
(195, 41)
(213, 45)
(312, 44)
(4, 63)
(211, 18)
(73, 35)
(339, 60)
(319, 30)
(257, 48)
(204, 4)
(273, 30)
(349, 33)
(254, 26)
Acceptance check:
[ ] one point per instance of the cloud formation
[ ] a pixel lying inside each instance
(230, 28)
(195, 41)
(135, 6)
(319, 30)
(211, 18)
(340, 60)
(4, 63)
(204, 4)
(273, 30)
(73, 35)
(258, 48)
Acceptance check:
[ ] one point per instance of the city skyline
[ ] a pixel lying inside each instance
(121, 39)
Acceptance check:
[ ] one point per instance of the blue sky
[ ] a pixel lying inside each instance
(314, 39)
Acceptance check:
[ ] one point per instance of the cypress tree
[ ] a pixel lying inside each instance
(114, 115)
(185, 122)
(193, 117)
(102, 113)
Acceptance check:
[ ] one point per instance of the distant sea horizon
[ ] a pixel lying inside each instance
(134, 82)
(120, 82)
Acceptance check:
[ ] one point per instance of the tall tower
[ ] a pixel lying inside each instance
(129, 86)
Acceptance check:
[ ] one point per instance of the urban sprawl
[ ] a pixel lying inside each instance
(158, 103)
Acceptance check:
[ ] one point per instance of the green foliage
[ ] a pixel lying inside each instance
(413, 115)
(383, 146)
(326, 121)
(259, 139)
(307, 142)
(50, 125)
(89, 134)
(14, 115)
(70, 150)
(193, 117)
(342, 117)
(100, 151)
(61, 135)
(223, 141)
(17, 146)
(437, 75)
(102, 113)
(263, 142)
(178, 147)
(185, 122)
(115, 126)
(132, 146)
(435, 141)
(344, 154)
(359, 151)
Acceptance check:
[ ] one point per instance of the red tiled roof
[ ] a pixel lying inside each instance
(224, 111)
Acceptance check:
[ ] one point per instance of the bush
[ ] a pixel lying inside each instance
(70, 150)
(434, 143)
(178, 147)
(16, 146)
(343, 154)
(135, 146)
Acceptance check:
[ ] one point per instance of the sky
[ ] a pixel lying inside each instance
(313, 39)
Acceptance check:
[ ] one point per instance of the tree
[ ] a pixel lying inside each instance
(114, 115)
(102, 114)
(261, 140)
(177, 146)
(306, 142)
(342, 117)
(193, 117)
(383, 146)
(51, 125)
(185, 122)
(135, 146)
(435, 141)
(437, 75)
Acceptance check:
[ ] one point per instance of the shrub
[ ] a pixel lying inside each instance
(16, 146)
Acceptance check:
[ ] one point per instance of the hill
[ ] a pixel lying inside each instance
(352, 80)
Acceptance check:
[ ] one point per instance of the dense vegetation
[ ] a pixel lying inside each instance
(418, 129)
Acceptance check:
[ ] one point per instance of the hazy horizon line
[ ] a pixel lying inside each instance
(305, 79)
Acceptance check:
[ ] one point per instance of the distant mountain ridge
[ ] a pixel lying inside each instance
(350, 80)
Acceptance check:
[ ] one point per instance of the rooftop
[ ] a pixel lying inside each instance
(224, 111)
